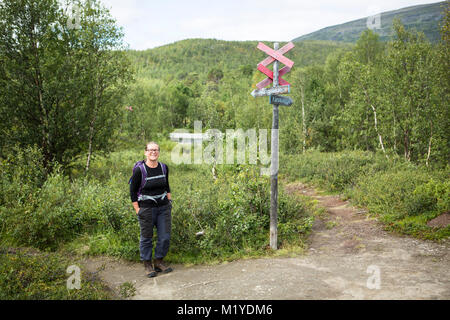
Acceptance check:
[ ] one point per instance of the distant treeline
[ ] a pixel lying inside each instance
(388, 97)
(71, 92)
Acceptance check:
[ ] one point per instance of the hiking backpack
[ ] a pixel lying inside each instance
(141, 165)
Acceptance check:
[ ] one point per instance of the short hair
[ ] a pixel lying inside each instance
(151, 142)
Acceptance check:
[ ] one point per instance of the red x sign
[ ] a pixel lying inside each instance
(269, 74)
(274, 55)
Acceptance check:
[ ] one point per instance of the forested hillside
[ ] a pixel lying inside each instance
(424, 18)
(179, 59)
(373, 95)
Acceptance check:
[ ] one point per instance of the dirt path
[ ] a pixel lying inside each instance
(349, 257)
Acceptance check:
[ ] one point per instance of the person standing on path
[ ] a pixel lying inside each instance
(152, 201)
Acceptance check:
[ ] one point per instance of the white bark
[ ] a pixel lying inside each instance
(303, 119)
(376, 129)
(429, 144)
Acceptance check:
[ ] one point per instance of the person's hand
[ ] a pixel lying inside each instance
(136, 207)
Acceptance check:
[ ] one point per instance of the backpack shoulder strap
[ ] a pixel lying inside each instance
(164, 168)
(141, 166)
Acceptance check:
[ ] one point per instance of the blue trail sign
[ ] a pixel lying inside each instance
(280, 100)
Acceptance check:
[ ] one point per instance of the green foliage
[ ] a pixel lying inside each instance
(215, 75)
(95, 211)
(233, 213)
(399, 198)
(60, 87)
(336, 171)
(127, 290)
(59, 210)
(204, 80)
(22, 173)
(182, 58)
(390, 97)
(31, 275)
(403, 195)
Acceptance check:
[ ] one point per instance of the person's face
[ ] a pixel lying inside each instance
(152, 152)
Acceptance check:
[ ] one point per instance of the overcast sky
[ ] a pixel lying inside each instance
(150, 23)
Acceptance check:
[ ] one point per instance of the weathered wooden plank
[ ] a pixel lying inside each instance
(283, 50)
(269, 80)
(269, 74)
(261, 46)
(269, 91)
(266, 71)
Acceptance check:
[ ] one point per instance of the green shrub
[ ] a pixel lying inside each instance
(431, 196)
(335, 171)
(50, 220)
(403, 192)
(22, 173)
(234, 213)
(404, 195)
(95, 210)
(31, 275)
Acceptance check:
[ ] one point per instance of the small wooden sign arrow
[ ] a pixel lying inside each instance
(270, 91)
(284, 101)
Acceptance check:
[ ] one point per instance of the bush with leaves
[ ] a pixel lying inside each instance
(31, 275)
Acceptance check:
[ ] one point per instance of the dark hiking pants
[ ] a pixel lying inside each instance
(159, 217)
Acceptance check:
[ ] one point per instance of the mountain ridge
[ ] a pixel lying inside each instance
(424, 18)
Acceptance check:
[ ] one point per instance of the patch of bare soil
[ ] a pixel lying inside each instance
(440, 221)
(350, 256)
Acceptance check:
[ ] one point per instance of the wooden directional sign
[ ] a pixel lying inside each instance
(280, 86)
(274, 55)
(270, 91)
(279, 100)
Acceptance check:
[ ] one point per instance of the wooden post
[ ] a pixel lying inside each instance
(274, 164)
(280, 86)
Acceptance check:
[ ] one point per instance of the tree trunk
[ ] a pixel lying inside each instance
(303, 118)
(98, 96)
(376, 130)
(91, 138)
(44, 120)
(429, 143)
(406, 145)
(395, 135)
(380, 138)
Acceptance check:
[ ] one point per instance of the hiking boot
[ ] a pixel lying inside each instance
(149, 269)
(161, 267)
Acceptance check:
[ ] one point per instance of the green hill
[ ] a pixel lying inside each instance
(201, 55)
(423, 18)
